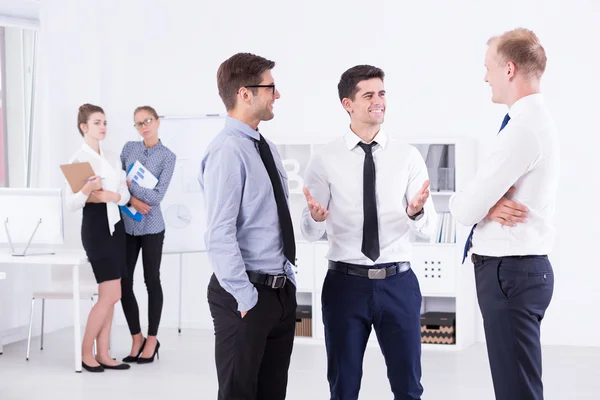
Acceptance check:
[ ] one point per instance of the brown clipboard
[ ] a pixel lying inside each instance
(76, 174)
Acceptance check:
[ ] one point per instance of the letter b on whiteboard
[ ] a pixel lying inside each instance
(295, 181)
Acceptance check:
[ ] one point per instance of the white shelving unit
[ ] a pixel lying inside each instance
(446, 284)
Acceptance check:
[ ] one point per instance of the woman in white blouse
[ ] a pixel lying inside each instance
(102, 233)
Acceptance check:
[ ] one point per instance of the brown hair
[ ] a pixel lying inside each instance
(85, 111)
(522, 47)
(348, 85)
(241, 69)
(149, 109)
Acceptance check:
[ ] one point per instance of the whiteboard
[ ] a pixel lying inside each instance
(183, 204)
(24, 211)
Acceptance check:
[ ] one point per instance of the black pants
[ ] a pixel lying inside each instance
(253, 353)
(351, 306)
(513, 294)
(151, 246)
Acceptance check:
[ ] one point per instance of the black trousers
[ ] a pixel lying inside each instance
(513, 294)
(253, 353)
(151, 246)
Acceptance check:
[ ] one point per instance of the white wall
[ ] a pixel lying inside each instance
(124, 54)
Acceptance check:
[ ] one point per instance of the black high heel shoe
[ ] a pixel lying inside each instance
(142, 360)
(130, 359)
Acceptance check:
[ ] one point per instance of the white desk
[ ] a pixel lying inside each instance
(2, 276)
(76, 259)
(181, 253)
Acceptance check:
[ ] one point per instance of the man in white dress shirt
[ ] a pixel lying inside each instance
(511, 202)
(368, 191)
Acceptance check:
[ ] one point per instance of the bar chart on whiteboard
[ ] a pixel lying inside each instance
(183, 204)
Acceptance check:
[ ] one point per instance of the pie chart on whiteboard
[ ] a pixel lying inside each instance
(178, 216)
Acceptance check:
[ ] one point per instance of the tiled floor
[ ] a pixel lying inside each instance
(186, 371)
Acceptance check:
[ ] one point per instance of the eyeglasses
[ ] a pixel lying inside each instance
(272, 86)
(148, 121)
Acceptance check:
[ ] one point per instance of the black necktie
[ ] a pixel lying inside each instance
(285, 220)
(470, 237)
(370, 239)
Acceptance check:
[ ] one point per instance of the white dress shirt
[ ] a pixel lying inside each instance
(334, 177)
(108, 166)
(525, 155)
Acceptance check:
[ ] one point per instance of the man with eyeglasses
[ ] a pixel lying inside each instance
(249, 239)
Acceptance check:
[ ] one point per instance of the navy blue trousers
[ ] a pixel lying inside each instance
(351, 306)
(513, 294)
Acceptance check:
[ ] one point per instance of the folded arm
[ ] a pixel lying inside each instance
(153, 197)
(515, 151)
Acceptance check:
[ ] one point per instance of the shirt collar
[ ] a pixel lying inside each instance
(242, 127)
(525, 103)
(154, 148)
(85, 147)
(352, 140)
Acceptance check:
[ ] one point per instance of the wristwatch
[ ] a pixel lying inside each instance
(417, 216)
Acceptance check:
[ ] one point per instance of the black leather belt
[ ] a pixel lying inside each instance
(377, 271)
(272, 281)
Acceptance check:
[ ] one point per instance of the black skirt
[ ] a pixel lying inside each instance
(106, 252)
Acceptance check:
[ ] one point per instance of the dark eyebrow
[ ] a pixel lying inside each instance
(368, 93)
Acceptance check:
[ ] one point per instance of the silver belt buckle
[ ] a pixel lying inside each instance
(379, 273)
(275, 280)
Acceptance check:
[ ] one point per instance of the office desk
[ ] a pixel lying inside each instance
(2, 276)
(74, 258)
(181, 253)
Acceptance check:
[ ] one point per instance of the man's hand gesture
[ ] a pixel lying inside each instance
(317, 212)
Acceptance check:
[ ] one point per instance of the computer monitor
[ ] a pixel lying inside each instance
(30, 217)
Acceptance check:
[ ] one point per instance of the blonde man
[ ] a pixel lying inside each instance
(511, 204)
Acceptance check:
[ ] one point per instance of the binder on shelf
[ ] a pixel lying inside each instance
(445, 231)
(440, 162)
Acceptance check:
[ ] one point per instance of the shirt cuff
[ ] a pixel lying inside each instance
(419, 222)
(80, 197)
(314, 225)
(246, 298)
(313, 229)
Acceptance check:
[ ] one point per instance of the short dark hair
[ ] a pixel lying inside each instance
(84, 113)
(241, 69)
(347, 88)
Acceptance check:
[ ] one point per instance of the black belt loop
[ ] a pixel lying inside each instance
(272, 281)
(378, 271)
